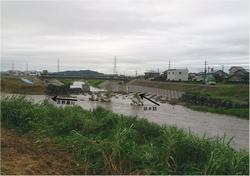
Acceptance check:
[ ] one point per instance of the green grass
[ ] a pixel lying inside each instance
(242, 113)
(108, 143)
(235, 93)
(94, 82)
(67, 81)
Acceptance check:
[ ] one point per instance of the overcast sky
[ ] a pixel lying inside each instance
(143, 34)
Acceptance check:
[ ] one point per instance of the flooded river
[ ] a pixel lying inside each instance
(180, 116)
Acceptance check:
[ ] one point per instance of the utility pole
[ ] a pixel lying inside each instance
(12, 67)
(115, 69)
(135, 73)
(222, 68)
(169, 64)
(27, 67)
(58, 65)
(205, 71)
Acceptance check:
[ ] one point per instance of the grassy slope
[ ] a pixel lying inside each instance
(15, 85)
(94, 82)
(234, 92)
(107, 143)
(67, 81)
(242, 113)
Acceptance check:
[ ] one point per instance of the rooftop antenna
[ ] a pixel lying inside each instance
(58, 65)
(115, 69)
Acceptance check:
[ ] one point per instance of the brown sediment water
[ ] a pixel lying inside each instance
(199, 123)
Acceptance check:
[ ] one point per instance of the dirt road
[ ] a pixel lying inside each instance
(20, 155)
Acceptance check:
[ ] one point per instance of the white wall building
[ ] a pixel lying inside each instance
(177, 74)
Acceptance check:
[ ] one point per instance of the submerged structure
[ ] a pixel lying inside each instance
(79, 87)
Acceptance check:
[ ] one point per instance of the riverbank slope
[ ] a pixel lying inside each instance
(108, 143)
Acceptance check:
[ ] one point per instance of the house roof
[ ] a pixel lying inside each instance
(237, 67)
(154, 72)
(235, 73)
(173, 69)
(221, 72)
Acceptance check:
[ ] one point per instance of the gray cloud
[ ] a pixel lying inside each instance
(143, 34)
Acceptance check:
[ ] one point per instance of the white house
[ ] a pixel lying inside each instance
(177, 74)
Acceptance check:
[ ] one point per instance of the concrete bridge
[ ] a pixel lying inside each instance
(102, 77)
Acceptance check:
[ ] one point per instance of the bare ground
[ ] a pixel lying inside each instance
(20, 155)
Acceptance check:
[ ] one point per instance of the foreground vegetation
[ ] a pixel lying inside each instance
(107, 143)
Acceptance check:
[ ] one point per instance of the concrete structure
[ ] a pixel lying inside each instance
(79, 87)
(177, 74)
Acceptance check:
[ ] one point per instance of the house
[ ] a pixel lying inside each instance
(16, 73)
(151, 75)
(32, 73)
(233, 69)
(221, 73)
(239, 76)
(177, 74)
(191, 76)
(210, 78)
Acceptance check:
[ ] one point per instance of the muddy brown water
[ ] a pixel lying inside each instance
(199, 123)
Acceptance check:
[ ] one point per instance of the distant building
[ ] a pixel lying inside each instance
(32, 73)
(234, 69)
(239, 76)
(177, 74)
(16, 73)
(220, 75)
(151, 75)
(191, 76)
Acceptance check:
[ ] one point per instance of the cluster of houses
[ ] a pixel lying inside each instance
(236, 74)
(23, 73)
